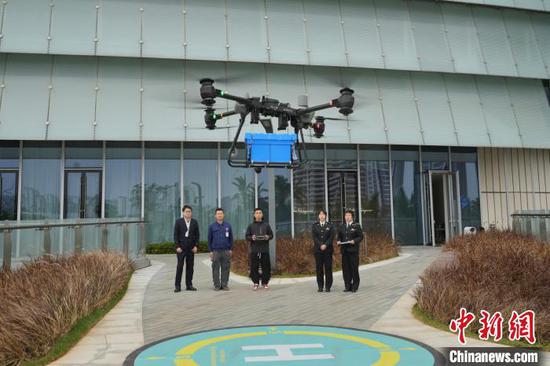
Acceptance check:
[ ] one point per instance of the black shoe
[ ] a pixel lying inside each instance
(347, 290)
(320, 289)
(177, 289)
(217, 288)
(191, 288)
(354, 290)
(327, 290)
(225, 288)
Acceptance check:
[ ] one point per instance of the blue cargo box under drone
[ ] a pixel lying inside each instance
(270, 148)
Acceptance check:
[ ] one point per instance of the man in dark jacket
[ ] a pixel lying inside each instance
(323, 233)
(350, 236)
(258, 234)
(220, 244)
(186, 238)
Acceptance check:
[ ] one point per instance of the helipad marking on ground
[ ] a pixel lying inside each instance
(296, 345)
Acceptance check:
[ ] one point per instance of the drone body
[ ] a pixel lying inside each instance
(298, 118)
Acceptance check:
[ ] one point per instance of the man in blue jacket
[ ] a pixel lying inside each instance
(220, 244)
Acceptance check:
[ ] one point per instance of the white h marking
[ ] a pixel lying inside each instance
(284, 353)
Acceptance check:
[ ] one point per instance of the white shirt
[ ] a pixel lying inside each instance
(188, 224)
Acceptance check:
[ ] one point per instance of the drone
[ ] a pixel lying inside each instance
(300, 118)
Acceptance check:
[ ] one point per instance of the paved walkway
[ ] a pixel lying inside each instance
(166, 313)
(119, 332)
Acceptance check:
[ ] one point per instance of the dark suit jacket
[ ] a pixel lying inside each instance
(323, 235)
(180, 228)
(354, 233)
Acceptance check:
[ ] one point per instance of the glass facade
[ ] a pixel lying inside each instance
(83, 179)
(41, 181)
(123, 179)
(104, 179)
(464, 160)
(375, 189)
(282, 199)
(162, 189)
(309, 189)
(407, 204)
(200, 182)
(238, 194)
(9, 174)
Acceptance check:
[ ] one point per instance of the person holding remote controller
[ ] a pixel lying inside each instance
(258, 234)
(350, 236)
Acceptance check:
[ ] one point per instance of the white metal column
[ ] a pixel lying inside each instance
(391, 193)
(103, 167)
(219, 176)
(62, 185)
(142, 180)
(292, 203)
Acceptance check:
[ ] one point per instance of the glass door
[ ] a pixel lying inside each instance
(441, 206)
(8, 195)
(82, 194)
(342, 194)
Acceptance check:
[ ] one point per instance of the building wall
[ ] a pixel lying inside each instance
(539, 5)
(383, 34)
(512, 180)
(108, 98)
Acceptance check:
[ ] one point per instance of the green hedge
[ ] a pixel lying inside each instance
(169, 248)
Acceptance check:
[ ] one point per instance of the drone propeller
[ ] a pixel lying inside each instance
(333, 119)
(226, 79)
(323, 118)
(214, 128)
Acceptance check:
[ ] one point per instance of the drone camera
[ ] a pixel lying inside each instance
(318, 128)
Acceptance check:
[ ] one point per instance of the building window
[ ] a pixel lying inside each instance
(162, 189)
(375, 189)
(464, 160)
(41, 181)
(9, 163)
(309, 190)
(238, 192)
(200, 182)
(407, 204)
(123, 180)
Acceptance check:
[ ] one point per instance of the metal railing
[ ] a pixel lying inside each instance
(25, 240)
(533, 222)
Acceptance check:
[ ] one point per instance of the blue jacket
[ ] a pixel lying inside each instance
(220, 236)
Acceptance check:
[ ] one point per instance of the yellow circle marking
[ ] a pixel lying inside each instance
(189, 350)
(388, 357)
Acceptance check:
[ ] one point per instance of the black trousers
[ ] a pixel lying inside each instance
(350, 270)
(257, 259)
(323, 267)
(189, 258)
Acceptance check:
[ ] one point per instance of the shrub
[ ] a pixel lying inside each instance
(169, 248)
(295, 256)
(42, 300)
(493, 271)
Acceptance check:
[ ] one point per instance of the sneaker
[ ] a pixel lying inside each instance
(225, 288)
(255, 288)
(266, 287)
